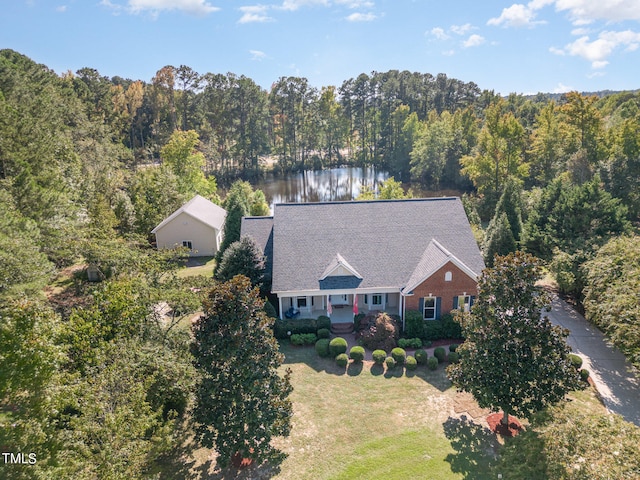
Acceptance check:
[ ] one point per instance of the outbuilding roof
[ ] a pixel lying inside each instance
(201, 209)
(387, 242)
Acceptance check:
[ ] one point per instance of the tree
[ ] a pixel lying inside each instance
(243, 257)
(237, 204)
(499, 239)
(390, 189)
(241, 401)
(513, 359)
(611, 300)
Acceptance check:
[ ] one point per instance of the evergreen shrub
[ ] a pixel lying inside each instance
(411, 363)
(432, 363)
(342, 360)
(399, 355)
(379, 356)
(322, 347)
(421, 356)
(390, 363)
(324, 333)
(575, 360)
(440, 354)
(337, 346)
(454, 357)
(410, 343)
(356, 354)
(303, 339)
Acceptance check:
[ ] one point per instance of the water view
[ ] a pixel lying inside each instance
(343, 183)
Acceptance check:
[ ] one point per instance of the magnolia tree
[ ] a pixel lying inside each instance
(513, 359)
(242, 401)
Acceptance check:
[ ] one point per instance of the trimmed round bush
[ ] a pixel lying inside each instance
(410, 343)
(575, 360)
(322, 347)
(440, 354)
(454, 357)
(390, 363)
(323, 322)
(324, 333)
(421, 356)
(337, 346)
(399, 355)
(432, 363)
(342, 360)
(453, 347)
(356, 354)
(584, 374)
(379, 356)
(411, 363)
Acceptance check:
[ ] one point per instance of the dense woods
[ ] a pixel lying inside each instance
(90, 164)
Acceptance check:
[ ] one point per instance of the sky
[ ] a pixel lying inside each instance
(549, 46)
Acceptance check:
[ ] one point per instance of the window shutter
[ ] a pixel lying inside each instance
(421, 307)
(472, 301)
(455, 302)
(366, 299)
(438, 307)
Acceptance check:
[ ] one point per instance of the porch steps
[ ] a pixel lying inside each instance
(341, 328)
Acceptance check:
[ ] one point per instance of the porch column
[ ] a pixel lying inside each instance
(280, 306)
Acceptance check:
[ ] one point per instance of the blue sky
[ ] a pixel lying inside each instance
(542, 45)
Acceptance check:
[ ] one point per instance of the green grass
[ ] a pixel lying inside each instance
(198, 266)
(362, 423)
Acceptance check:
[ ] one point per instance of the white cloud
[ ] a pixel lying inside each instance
(61, 8)
(449, 53)
(462, 29)
(473, 41)
(355, 3)
(583, 12)
(296, 4)
(154, 7)
(257, 55)
(439, 33)
(361, 17)
(255, 14)
(562, 88)
(517, 15)
(597, 51)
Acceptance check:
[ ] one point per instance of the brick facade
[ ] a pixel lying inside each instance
(438, 287)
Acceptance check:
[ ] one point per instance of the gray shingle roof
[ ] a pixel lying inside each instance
(383, 240)
(201, 209)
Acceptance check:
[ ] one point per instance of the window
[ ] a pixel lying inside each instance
(376, 299)
(464, 302)
(302, 302)
(429, 308)
(187, 243)
(448, 276)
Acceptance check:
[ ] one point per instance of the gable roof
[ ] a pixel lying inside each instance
(435, 257)
(201, 209)
(386, 241)
(339, 261)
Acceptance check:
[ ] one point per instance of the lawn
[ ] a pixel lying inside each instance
(365, 423)
(198, 266)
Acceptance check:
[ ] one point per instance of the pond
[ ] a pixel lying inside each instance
(343, 183)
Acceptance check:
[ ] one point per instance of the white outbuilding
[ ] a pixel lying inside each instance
(197, 225)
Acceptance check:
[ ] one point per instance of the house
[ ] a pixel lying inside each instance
(196, 225)
(342, 258)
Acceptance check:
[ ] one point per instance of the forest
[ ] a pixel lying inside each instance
(90, 164)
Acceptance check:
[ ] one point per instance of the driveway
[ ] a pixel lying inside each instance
(614, 377)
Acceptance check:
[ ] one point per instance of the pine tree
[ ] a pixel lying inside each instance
(500, 241)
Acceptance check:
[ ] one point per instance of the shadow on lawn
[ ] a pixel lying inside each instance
(475, 448)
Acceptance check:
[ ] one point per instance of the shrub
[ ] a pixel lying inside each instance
(584, 374)
(357, 320)
(414, 323)
(410, 343)
(269, 309)
(303, 338)
(356, 354)
(433, 330)
(440, 354)
(323, 322)
(454, 357)
(426, 343)
(322, 347)
(342, 360)
(432, 363)
(337, 346)
(381, 332)
(411, 363)
(575, 360)
(324, 333)
(421, 356)
(453, 347)
(450, 328)
(399, 355)
(283, 328)
(390, 363)
(379, 356)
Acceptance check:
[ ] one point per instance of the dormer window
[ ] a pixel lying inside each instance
(448, 276)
